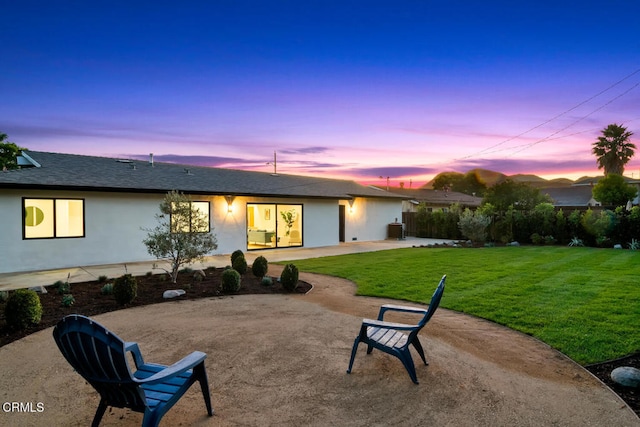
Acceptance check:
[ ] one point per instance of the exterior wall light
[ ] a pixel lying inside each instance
(351, 202)
(229, 200)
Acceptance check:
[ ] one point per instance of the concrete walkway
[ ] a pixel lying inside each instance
(28, 279)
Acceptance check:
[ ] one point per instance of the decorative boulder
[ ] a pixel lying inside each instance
(626, 376)
(173, 293)
(39, 289)
(617, 246)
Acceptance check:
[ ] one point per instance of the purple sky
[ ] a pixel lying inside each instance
(338, 88)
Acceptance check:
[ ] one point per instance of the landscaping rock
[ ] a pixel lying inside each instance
(626, 376)
(173, 293)
(199, 275)
(617, 246)
(39, 289)
(513, 244)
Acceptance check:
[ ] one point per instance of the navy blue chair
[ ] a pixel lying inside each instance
(395, 338)
(99, 356)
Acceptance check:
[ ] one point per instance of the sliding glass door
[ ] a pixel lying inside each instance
(273, 225)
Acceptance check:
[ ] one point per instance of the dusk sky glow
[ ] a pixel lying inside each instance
(344, 89)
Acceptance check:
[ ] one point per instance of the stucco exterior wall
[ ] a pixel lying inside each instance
(368, 219)
(114, 225)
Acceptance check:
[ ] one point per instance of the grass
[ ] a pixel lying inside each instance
(585, 302)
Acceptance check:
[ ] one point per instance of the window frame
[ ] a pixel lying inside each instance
(208, 213)
(54, 201)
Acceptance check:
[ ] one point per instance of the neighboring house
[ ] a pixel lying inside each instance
(589, 181)
(571, 197)
(62, 210)
(435, 200)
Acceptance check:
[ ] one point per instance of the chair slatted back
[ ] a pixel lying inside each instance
(99, 357)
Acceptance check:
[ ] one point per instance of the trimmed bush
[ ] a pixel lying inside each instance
(4, 295)
(260, 267)
(240, 264)
(235, 254)
(125, 289)
(102, 278)
(289, 277)
(23, 309)
(230, 281)
(266, 281)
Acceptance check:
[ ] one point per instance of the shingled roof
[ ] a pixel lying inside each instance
(89, 173)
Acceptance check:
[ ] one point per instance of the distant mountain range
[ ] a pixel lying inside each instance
(491, 178)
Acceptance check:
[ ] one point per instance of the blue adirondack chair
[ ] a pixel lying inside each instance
(395, 338)
(99, 356)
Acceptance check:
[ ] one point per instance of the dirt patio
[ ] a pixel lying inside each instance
(281, 360)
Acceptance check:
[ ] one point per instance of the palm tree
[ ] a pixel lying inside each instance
(613, 149)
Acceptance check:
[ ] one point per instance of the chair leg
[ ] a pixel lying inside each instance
(418, 346)
(201, 374)
(102, 407)
(407, 361)
(353, 353)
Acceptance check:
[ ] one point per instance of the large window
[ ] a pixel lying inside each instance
(273, 225)
(197, 219)
(52, 218)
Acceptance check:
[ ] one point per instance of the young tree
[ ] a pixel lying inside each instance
(182, 234)
(9, 153)
(612, 190)
(613, 149)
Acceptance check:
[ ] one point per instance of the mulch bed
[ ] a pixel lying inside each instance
(90, 301)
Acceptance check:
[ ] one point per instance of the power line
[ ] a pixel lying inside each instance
(484, 151)
(577, 121)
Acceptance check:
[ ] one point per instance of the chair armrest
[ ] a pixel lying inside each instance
(387, 325)
(135, 351)
(400, 308)
(177, 368)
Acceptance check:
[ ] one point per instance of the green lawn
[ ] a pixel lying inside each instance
(584, 302)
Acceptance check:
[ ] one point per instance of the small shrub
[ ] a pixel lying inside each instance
(235, 254)
(260, 267)
(240, 264)
(57, 284)
(536, 239)
(4, 295)
(198, 276)
(107, 289)
(187, 270)
(23, 309)
(634, 245)
(64, 288)
(576, 242)
(289, 277)
(68, 300)
(230, 281)
(149, 273)
(102, 279)
(549, 240)
(125, 289)
(266, 281)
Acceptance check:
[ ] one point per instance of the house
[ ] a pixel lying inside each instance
(435, 200)
(63, 210)
(571, 197)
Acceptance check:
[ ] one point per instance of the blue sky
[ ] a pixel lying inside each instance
(347, 89)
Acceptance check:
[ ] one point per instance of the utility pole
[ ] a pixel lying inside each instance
(382, 177)
(274, 163)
